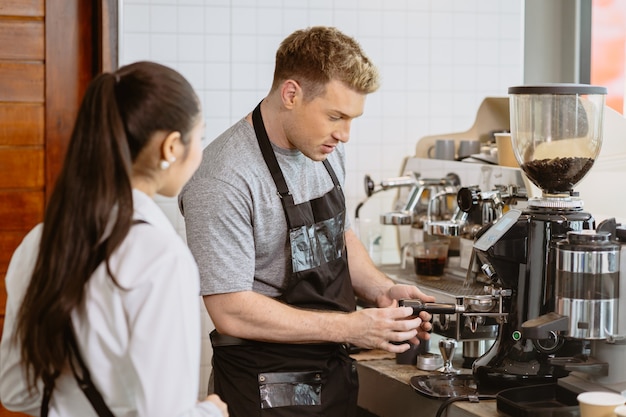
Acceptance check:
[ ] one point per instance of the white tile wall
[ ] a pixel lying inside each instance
(438, 60)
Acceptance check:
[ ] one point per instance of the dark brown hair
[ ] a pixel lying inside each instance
(319, 54)
(90, 210)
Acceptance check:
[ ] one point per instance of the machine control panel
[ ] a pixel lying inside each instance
(499, 229)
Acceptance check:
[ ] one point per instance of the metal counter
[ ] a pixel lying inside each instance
(445, 289)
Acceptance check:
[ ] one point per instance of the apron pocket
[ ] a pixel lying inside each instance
(281, 389)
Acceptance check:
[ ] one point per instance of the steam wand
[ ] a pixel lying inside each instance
(371, 189)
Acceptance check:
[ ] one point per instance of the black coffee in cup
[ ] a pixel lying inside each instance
(429, 266)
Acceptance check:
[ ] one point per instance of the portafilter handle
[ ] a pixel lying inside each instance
(432, 308)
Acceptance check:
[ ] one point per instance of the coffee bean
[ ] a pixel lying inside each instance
(557, 175)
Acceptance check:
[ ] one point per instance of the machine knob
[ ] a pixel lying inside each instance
(369, 185)
(468, 198)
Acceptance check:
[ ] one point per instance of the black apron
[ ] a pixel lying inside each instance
(277, 379)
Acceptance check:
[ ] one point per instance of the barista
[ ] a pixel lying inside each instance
(268, 200)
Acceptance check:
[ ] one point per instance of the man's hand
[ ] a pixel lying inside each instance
(384, 328)
(402, 291)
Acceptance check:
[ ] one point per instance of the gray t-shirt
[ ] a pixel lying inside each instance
(236, 227)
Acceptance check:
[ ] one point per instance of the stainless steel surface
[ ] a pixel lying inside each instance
(405, 181)
(479, 303)
(429, 361)
(442, 203)
(445, 227)
(475, 348)
(433, 308)
(397, 218)
(446, 290)
(447, 348)
(418, 199)
(587, 283)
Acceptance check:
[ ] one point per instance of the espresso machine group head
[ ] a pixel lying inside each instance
(421, 193)
(556, 132)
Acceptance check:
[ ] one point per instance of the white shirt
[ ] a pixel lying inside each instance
(141, 343)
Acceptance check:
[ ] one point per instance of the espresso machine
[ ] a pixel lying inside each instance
(556, 132)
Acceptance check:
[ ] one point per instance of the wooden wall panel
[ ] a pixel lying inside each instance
(20, 210)
(22, 167)
(70, 66)
(22, 81)
(30, 8)
(30, 33)
(21, 124)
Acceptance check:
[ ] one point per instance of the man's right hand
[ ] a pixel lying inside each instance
(383, 328)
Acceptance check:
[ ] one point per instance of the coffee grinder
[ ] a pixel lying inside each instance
(556, 132)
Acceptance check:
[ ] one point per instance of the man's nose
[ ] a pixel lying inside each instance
(342, 134)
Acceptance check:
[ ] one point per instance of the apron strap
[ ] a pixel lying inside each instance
(84, 382)
(274, 167)
(270, 157)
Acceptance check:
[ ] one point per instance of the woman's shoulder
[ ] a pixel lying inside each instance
(33, 237)
(154, 240)
(150, 251)
(23, 259)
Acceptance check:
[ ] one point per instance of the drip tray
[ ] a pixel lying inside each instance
(444, 386)
(546, 400)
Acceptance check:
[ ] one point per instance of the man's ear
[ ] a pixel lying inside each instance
(290, 93)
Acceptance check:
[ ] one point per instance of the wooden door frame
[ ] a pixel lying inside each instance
(81, 43)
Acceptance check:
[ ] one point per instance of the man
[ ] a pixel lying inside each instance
(280, 267)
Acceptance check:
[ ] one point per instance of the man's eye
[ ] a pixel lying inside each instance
(335, 118)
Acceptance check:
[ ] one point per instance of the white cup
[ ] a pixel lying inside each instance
(599, 403)
(443, 148)
(620, 411)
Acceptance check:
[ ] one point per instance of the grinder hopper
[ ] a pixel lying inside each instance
(556, 132)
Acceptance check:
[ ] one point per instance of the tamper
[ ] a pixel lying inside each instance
(447, 347)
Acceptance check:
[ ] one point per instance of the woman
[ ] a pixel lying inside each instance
(106, 267)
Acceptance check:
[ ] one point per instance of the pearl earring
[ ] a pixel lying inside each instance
(163, 164)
